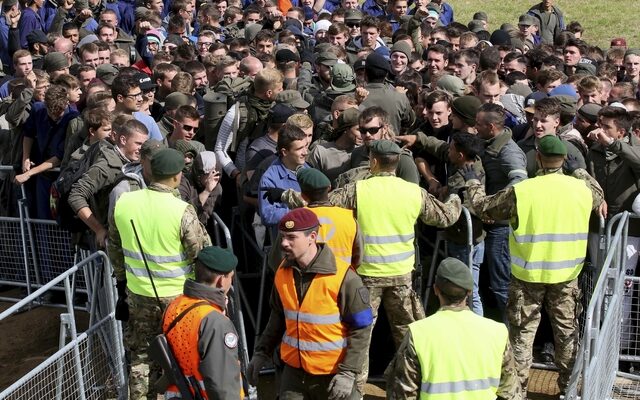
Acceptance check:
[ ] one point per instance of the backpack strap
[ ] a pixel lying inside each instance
(183, 314)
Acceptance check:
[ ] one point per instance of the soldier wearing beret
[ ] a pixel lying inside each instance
(439, 351)
(204, 341)
(166, 241)
(320, 316)
(549, 215)
(387, 209)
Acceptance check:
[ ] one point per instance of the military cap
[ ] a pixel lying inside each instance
(55, 61)
(527, 20)
(587, 68)
(107, 73)
(402, 47)
(217, 259)
(327, 58)
(292, 98)
(466, 107)
(456, 272)
(353, 15)
(167, 162)
(342, 78)
(590, 111)
(451, 84)
(251, 31)
(81, 4)
(476, 25)
(175, 100)
(481, 15)
(385, 147)
(280, 113)
(321, 48)
(377, 61)
(299, 219)
(37, 36)
(311, 179)
(568, 104)
(347, 119)
(286, 55)
(551, 145)
(151, 147)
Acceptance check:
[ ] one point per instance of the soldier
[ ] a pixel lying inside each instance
(549, 217)
(167, 247)
(439, 357)
(387, 224)
(327, 332)
(202, 338)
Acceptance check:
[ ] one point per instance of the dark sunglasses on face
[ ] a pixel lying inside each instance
(189, 128)
(352, 24)
(371, 131)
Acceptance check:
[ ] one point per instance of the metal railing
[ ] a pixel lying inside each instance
(91, 364)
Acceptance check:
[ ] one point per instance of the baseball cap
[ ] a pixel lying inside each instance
(146, 84)
(37, 36)
(107, 73)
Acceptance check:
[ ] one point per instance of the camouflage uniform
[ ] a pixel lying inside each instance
(396, 291)
(561, 300)
(145, 315)
(404, 377)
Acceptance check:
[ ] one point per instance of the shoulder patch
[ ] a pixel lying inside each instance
(364, 294)
(231, 340)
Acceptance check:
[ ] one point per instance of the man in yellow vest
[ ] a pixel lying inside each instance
(387, 209)
(338, 228)
(454, 353)
(320, 316)
(170, 237)
(202, 338)
(549, 217)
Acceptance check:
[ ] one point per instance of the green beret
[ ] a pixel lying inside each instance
(151, 147)
(167, 162)
(550, 145)
(311, 179)
(456, 272)
(385, 147)
(217, 259)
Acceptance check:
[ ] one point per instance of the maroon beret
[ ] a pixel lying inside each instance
(299, 219)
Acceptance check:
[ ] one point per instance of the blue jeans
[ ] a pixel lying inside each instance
(498, 262)
(461, 252)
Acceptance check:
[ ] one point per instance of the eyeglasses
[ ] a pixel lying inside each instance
(352, 24)
(134, 95)
(188, 128)
(371, 131)
(204, 44)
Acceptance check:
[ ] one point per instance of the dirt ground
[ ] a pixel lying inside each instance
(28, 338)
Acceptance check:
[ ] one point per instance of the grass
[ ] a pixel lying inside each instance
(602, 20)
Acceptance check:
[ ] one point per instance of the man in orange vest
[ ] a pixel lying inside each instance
(320, 316)
(338, 228)
(202, 338)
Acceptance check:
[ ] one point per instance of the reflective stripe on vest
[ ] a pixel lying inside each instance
(454, 364)
(315, 338)
(337, 229)
(387, 210)
(549, 244)
(157, 216)
(184, 336)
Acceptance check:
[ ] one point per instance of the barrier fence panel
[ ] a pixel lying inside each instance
(91, 364)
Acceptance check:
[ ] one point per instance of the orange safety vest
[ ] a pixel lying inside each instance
(184, 337)
(315, 338)
(338, 230)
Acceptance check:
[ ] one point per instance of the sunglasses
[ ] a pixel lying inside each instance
(352, 24)
(371, 131)
(188, 128)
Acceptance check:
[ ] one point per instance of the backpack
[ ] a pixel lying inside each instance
(216, 105)
(61, 211)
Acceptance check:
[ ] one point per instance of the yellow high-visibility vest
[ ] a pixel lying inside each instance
(549, 244)
(157, 216)
(338, 230)
(460, 355)
(387, 210)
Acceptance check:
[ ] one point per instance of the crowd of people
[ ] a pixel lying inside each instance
(335, 128)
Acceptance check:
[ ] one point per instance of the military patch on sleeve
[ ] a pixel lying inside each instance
(364, 294)
(231, 340)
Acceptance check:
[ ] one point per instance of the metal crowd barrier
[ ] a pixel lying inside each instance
(91, 365)
(34, 251)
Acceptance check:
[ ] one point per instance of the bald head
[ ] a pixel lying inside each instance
(63, 45)
(250, 66)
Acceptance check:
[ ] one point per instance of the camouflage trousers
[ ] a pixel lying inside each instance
(145, 319)
(562, 303)
(402, 305)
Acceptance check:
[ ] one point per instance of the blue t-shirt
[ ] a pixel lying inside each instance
(150, 123)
